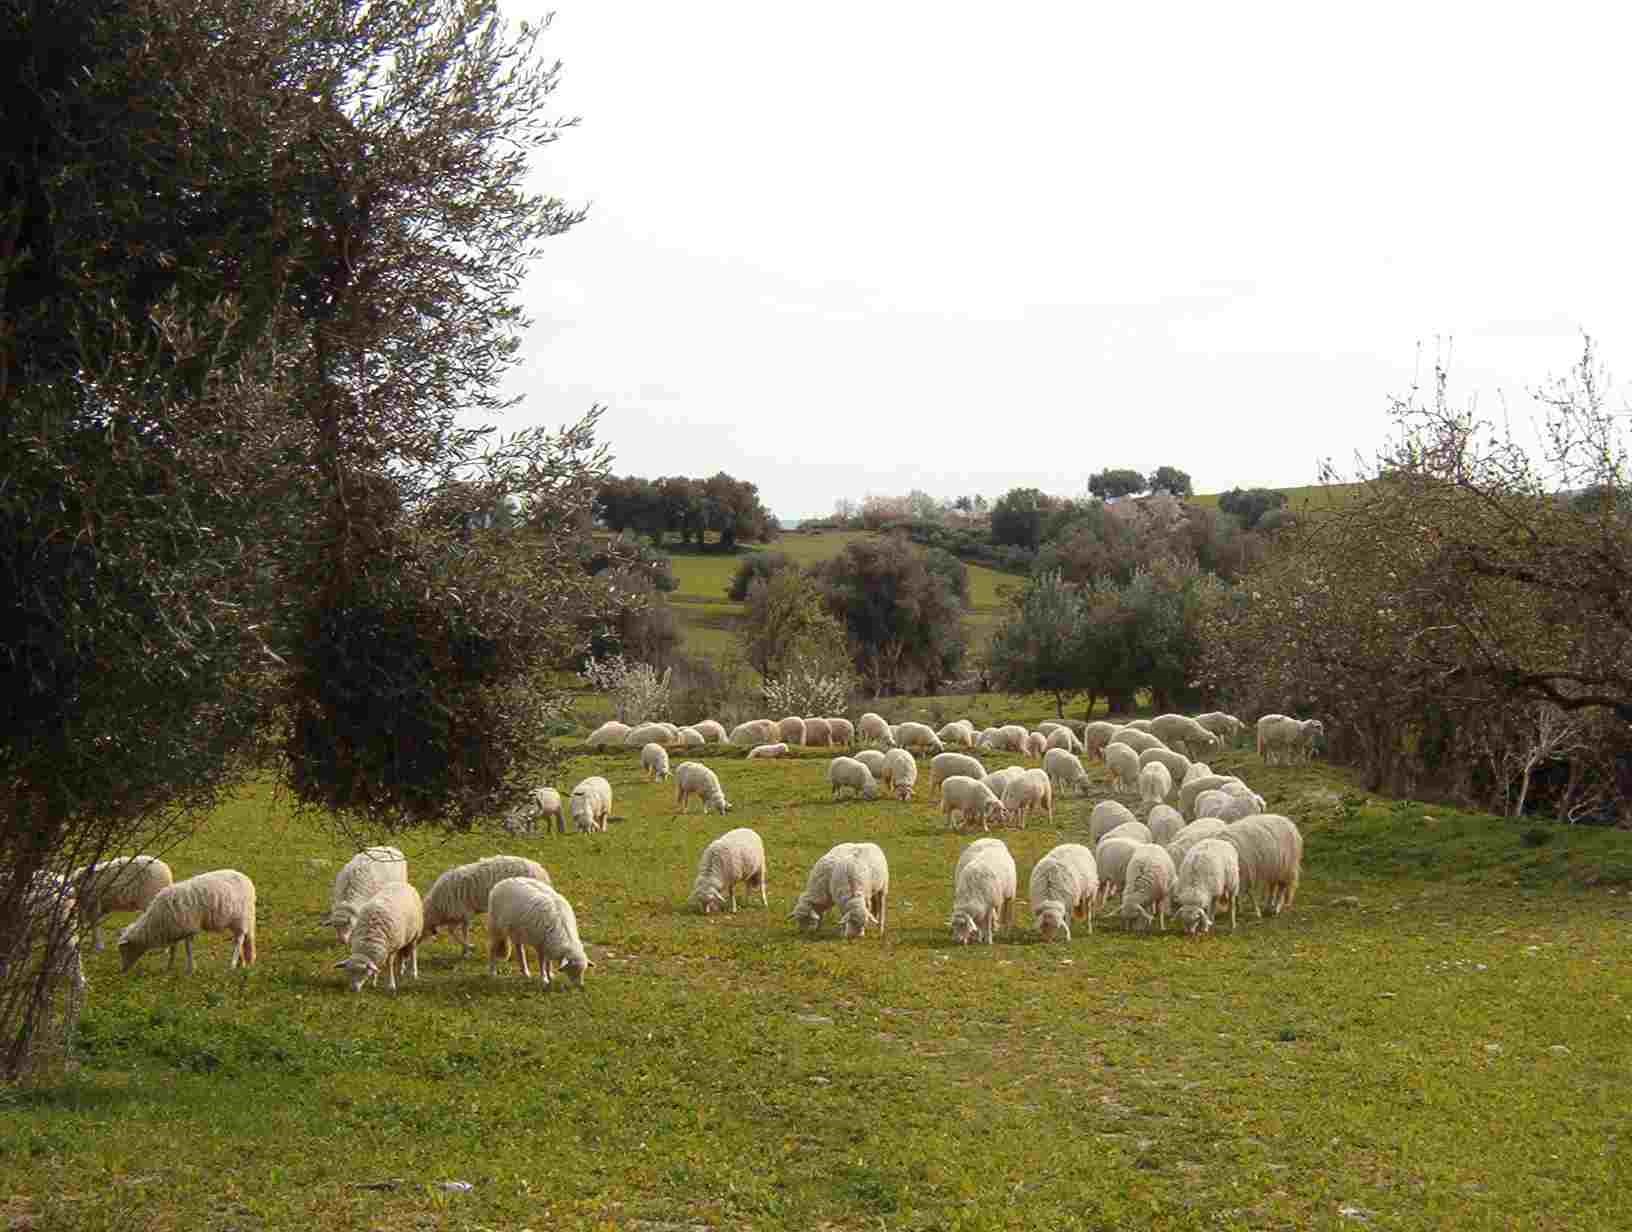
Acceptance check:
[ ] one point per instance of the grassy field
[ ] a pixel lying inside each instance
(1309, 498)
(1433, 1036)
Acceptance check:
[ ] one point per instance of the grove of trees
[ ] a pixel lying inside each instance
(686, 507)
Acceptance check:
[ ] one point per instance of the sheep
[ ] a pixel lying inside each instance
(1143, 725)
(1178, 765)
(790, 730)
(1062, 738)
(763, 751)
(1198, 770)
(989, 738)
(219, 901)
(1209, 877)
(817, 896)
(1224, 806)
(1155, 783)
(1107, 816)
(960, 732)
(918, 736)
(1164, 822)
(1179, 846)
(1032, 789)
(873, 759)
(894, 729)
(654, 761)
(591, 804)
(818, 733)
(969, 798)
(736, 856)
(1288, 740)
(1048, 726)
(755, 731)
(1112, 856)
(1189, 791)
(998, 780)
(1036, 744)
(874, 730)
(461, 893)
(900, 773)
(649, 733)
(1226, 727)
(546, 804)
(944, 765)
(609, 732)
(1064, 883)
(126, 883)
(1138, 831)
(711, 731)
(1123, 763)
(1062, 766)
(843, 731)
(1012, 737)
(1271, 851)
(845, 772)
(692, 778)
(1136, 740)
(364, 875)
(1095, 736)
(1181, 732)
(691, 738)
(984, 888)
(850, 874)
(1147, 885)
(523, 912)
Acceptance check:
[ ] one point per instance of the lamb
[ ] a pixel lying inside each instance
(1288, 740)
(918, 736)
(460, 894)
(1036, 744)
(610, 732)
(969, 798)
(1138, 831)
(695, 779)
(984, 888)
(1123, 763)
(711, 731)
(755, 731)
(1095, 736)
(873, 759)
(960, 732)
(1178, 765)
(1179, 846)
(790, 730)
(762, 751)
(737, 856)
(219, 901)
(691, 738)
(854, 875)
(944, 765)
(1181, 732)
(1271, 851)
(523, 912)
(1136, 740)
(900, 773)
(1112, 856)
(1147, 885)
(1063, 738)
(845, 772)
(1107, 816)
(874, 730)
(818, 733)
(1032, 789)
(1064, 884)
(127, 883)
(649, 733)
(591, 804)
(1210, 876)
(364, 875)
(1155, 783)
(1062, 766)
(1226, 727)
(1164, 822)
(843, 731)
(654, 761)
(1224, 806)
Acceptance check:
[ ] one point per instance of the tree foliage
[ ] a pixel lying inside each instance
(786, 622)
(1040, 648)
(901, 610)
(1111, 483)
(686, 507)
(1170, 479)
(1250, 505)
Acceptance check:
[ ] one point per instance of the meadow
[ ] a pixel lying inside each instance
(1434, 1035)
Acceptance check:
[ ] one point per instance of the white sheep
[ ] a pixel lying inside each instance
(691, 738)
(1095, 736)
(1032, 789)
(818, 733)
(999, 780)
(219, 901)
(651, 733)
(918, 736)
(762, 752)
(1181, 732)
(523, 912)
(989, 738)
(1012, 737)
(1136, 740)
(873, 759)
(790, 730)
(900, 773)
(944, 765)
(1140, 725)
(591, 804)
(984, 887)
(847, 772)
(1164, 822)
(1178, 765)
(1288, 740)
(362, 877)
(960, 732)
(1224, 806)
(1226, 727)
(711, 730)
(1198, 770)
(460, 894)
(1189, 791)
(654, 762)
(1062, 766)
(1107, 816)
(1271, 851)
(1063, 738)
(736, 857)
(1064, 884)
(754, 731)
(1210, 877)
(1147, 885)
(855, 875)
(969, 799)
(1112, 856)
(610, 732)
(126, 883)
(1123, 763)
(1036, 744)
(547, 805)
(386, 937)
(1138, 831)
(843, 731)
(1155, 783)
(1179, 845)
(692, 778)
(874, 730)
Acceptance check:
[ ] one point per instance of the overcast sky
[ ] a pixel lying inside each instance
(857, 248)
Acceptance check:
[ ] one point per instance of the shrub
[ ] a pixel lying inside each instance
(637, 690)
(805, 688)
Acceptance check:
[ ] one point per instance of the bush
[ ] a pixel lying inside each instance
(636, 690)
(805, 688)
(754, 567)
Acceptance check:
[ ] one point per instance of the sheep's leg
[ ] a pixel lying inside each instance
(733, 898)
(1090, 915)
(413, 959)
(170, 965)
(881, 897)
(188, 942)
(527, 971)
(763, 901)
(237, 950)
(464, 938)
(543, 966)
(391, 972)
(1232, 913)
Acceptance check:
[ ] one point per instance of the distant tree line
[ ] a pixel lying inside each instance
(675, 505)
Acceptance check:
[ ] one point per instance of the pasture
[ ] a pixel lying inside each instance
(1435, 1035)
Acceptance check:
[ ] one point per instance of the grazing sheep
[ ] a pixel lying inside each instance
(761, 751)
(998, 780)
(737, 856)
(651, 733)
(1123, 763)
(1062, 738)
(389, 927)
(874, 730)
(1036, 745)
(460, 894)
(1012, 737)
(1107, 816)
(1224, 805)
(843, 731)
(1209, 877)
(944, 765)
(546, 804)
(845, 772)
(1179, 846)
(984, 888)
(918, 736)
(873, 759)
(695, 779)
(818, 733)
(221, 901)
(900, 773)
(1032, 789)
(988, 738)
(790, 730)
(846, 872)
(126, 883)
(1271, 851)
(1112, 856)
(654, 762)
(1136, 740)
(1178, 765)
(363, 876)
(1138, 831)
(754, 731)
(1189, 791)
(1095, 736)
(1181, 732)
(1142, 725)
(960, 732)
(1146, 886)
(969, 798)
(591, 804)
(1062, 766)
(671, 733)
(1226, 727)
(523, 912)
(1164, 821)
(1288, 740)
(1048, 726)
(711, 730)
(1064, 884)
(1198, 770)
(691, 738)
(1155, 783)
(610, 732)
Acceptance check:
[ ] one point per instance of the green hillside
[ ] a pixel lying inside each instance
(1307, 499)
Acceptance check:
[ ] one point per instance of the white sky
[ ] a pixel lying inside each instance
(866, 247)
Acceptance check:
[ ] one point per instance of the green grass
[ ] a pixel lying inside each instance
(1435, 1034)
(1306, 499)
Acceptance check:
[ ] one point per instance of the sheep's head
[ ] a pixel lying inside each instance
(869, 790)
(574, 967)
(1194, 918)
(807, 917)
(903, 791)
(964, 928)
(719, 803)
(856, 920)
(129, 951)
(1051, 921)
(1136, 915)
(358, 971)
(712, 900)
